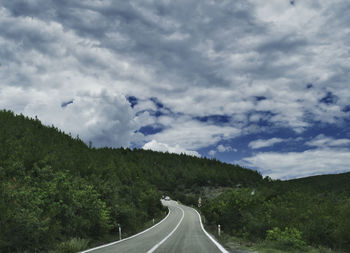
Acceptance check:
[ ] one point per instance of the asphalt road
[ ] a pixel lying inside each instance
(181, 231)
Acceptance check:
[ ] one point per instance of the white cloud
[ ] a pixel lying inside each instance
(212, 152)
(322, 141)
(264, 143)
(221, 148)
(105, 119)
(145, 118)
(144, 105)
(192, 134)
(300, 164)
(162, 147)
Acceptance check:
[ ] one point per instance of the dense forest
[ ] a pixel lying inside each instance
(55, 189)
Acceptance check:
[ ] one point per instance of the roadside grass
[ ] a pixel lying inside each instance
(272, 248)
(71, 246)
(241, 245)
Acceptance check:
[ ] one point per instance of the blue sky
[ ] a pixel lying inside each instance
(263, 84)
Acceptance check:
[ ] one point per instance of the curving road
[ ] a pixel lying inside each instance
(180, 231)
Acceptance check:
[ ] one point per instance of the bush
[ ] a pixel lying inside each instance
(72, 246)
(287, 239)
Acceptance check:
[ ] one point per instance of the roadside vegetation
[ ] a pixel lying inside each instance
(304, 215)
(58, 194)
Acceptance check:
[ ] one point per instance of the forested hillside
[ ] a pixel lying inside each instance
(288, 214)
(55, 188)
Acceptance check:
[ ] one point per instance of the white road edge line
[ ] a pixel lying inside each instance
(210, 237)
(165, 238)
(116, 242)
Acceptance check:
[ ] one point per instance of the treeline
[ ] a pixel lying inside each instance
(292, 214)
(55, 188)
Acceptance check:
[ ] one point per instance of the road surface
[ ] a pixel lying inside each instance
(181, 231)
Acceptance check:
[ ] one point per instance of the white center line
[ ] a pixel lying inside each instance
(165, 238)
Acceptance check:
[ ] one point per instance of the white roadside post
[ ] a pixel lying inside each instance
(219, 230)
(120, 232)
(153, 220)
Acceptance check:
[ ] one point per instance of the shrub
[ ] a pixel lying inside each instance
(289, 238)
(72, 246)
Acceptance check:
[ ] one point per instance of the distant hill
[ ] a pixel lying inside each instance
(337, 183)
(54, 187)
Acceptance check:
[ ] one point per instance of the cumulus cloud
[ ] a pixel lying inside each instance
(162, 147)
(102, 118)
(322, 141)
(215, 62)
(192, 134)
(212, 152)
(221, 149)
(264, 143)
(300, 164)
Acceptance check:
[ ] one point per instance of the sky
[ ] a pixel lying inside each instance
(262, 84)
